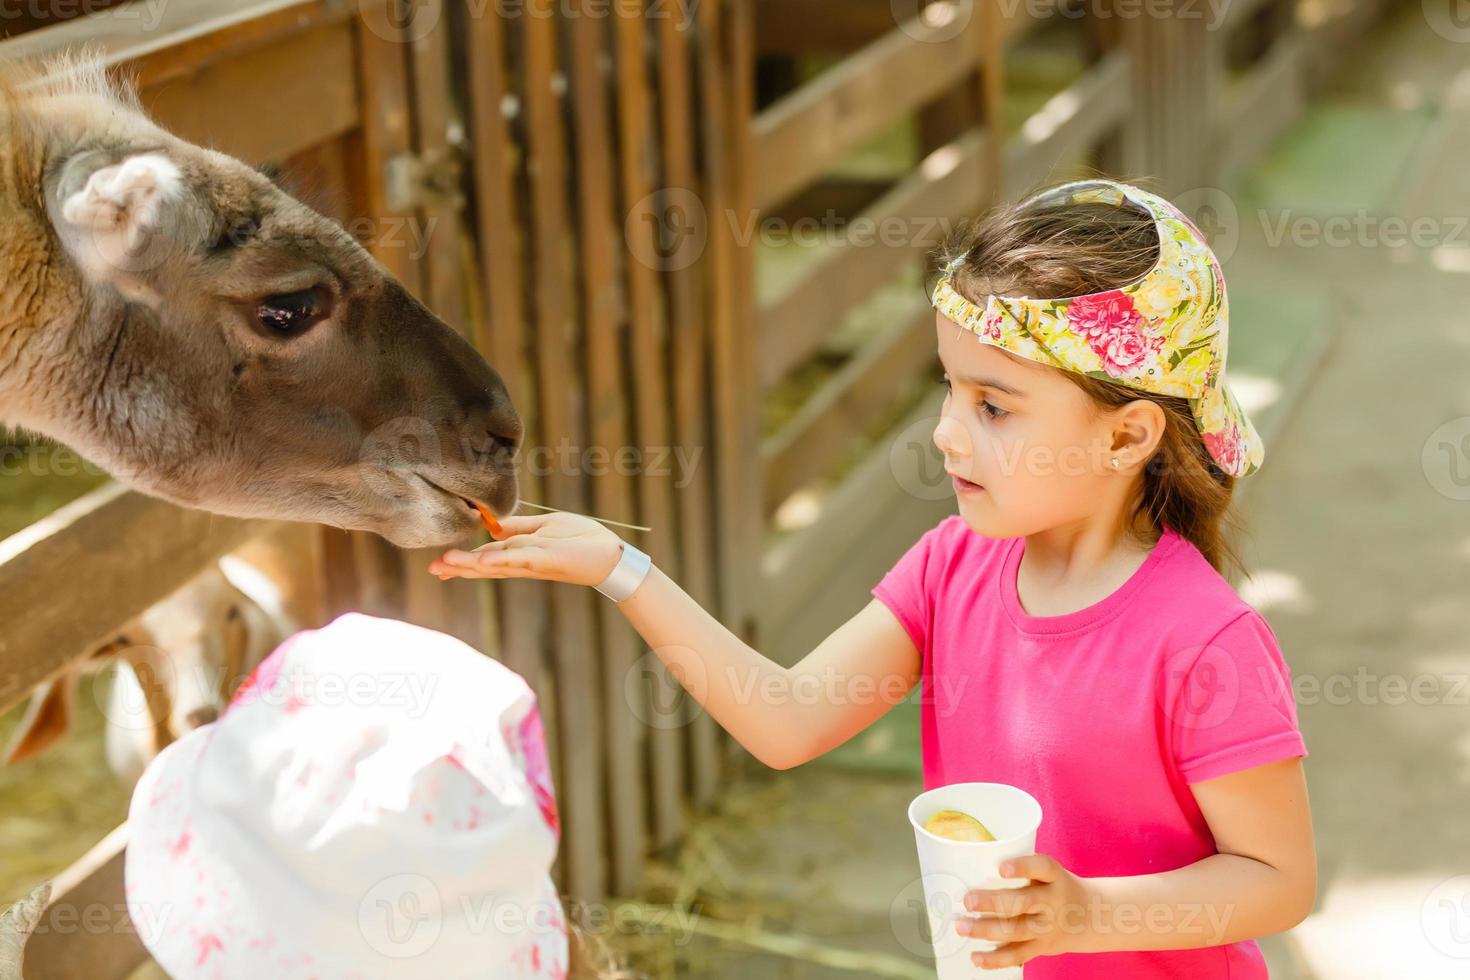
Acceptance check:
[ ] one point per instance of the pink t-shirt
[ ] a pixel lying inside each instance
(1105, 715)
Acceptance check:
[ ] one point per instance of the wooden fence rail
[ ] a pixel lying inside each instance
(148, 549)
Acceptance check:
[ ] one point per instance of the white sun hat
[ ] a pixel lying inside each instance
(374, 803)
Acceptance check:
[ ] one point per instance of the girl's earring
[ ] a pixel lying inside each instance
(1115, 462)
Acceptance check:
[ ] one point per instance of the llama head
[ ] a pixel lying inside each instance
(236, 351)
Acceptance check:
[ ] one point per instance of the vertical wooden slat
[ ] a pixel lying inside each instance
(1130, 152)
(1148, 70)
(557, 348)
(1211, 68)
(323, 177)
(947, 116)
(1189, 106)
(521, 608)
(340, 586)
(386, 133)
(741, 529)
(690, 358)
(718, 134)
(452, 606)
(434, 118)
(721, 280)
(967, 103)
(379, 575)
(1145, 74)
(1103, 37)
(601, 242)
(992, 95)
(501, 328)
(651, 404)
(1166, 37)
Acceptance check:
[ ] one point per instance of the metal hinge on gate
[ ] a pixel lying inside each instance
(430, 179)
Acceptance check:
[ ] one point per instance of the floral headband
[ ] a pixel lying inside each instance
(1165, 332)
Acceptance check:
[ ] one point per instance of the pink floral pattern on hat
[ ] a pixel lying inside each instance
(1167, 332)
(1225, 447)
(1115, 331)
(528, 739)
(1102, 314)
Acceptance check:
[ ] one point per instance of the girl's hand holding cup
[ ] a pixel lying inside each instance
(1043, 918)
(556, 547)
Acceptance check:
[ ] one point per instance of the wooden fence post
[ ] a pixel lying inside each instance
(1174, 55)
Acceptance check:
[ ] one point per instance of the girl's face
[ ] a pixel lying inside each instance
(1038, 448)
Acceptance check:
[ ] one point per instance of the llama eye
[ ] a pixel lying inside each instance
(291, 314)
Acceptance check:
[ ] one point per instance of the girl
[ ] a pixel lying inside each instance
(1071, 626)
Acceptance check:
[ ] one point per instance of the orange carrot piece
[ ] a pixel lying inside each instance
(491, 524)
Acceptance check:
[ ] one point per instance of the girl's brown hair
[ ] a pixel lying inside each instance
(1056, 250)
(590, 957)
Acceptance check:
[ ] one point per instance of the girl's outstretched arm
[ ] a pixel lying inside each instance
(784, 716)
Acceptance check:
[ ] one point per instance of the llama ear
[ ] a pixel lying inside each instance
(117, 218)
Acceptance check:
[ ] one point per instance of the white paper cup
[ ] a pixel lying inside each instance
(952, 868)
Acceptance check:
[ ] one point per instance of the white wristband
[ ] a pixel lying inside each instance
(627, 575)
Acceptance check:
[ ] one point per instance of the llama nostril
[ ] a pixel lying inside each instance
(504, 444)
(505, 429)
(492, 430)
(201, 716)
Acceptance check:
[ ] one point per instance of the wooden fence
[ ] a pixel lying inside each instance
(588, 172)
(1170, 95)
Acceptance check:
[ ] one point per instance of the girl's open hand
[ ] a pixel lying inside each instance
(1047, 917)
(558, 547)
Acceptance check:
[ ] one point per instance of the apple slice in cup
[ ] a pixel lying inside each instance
(954, 825)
